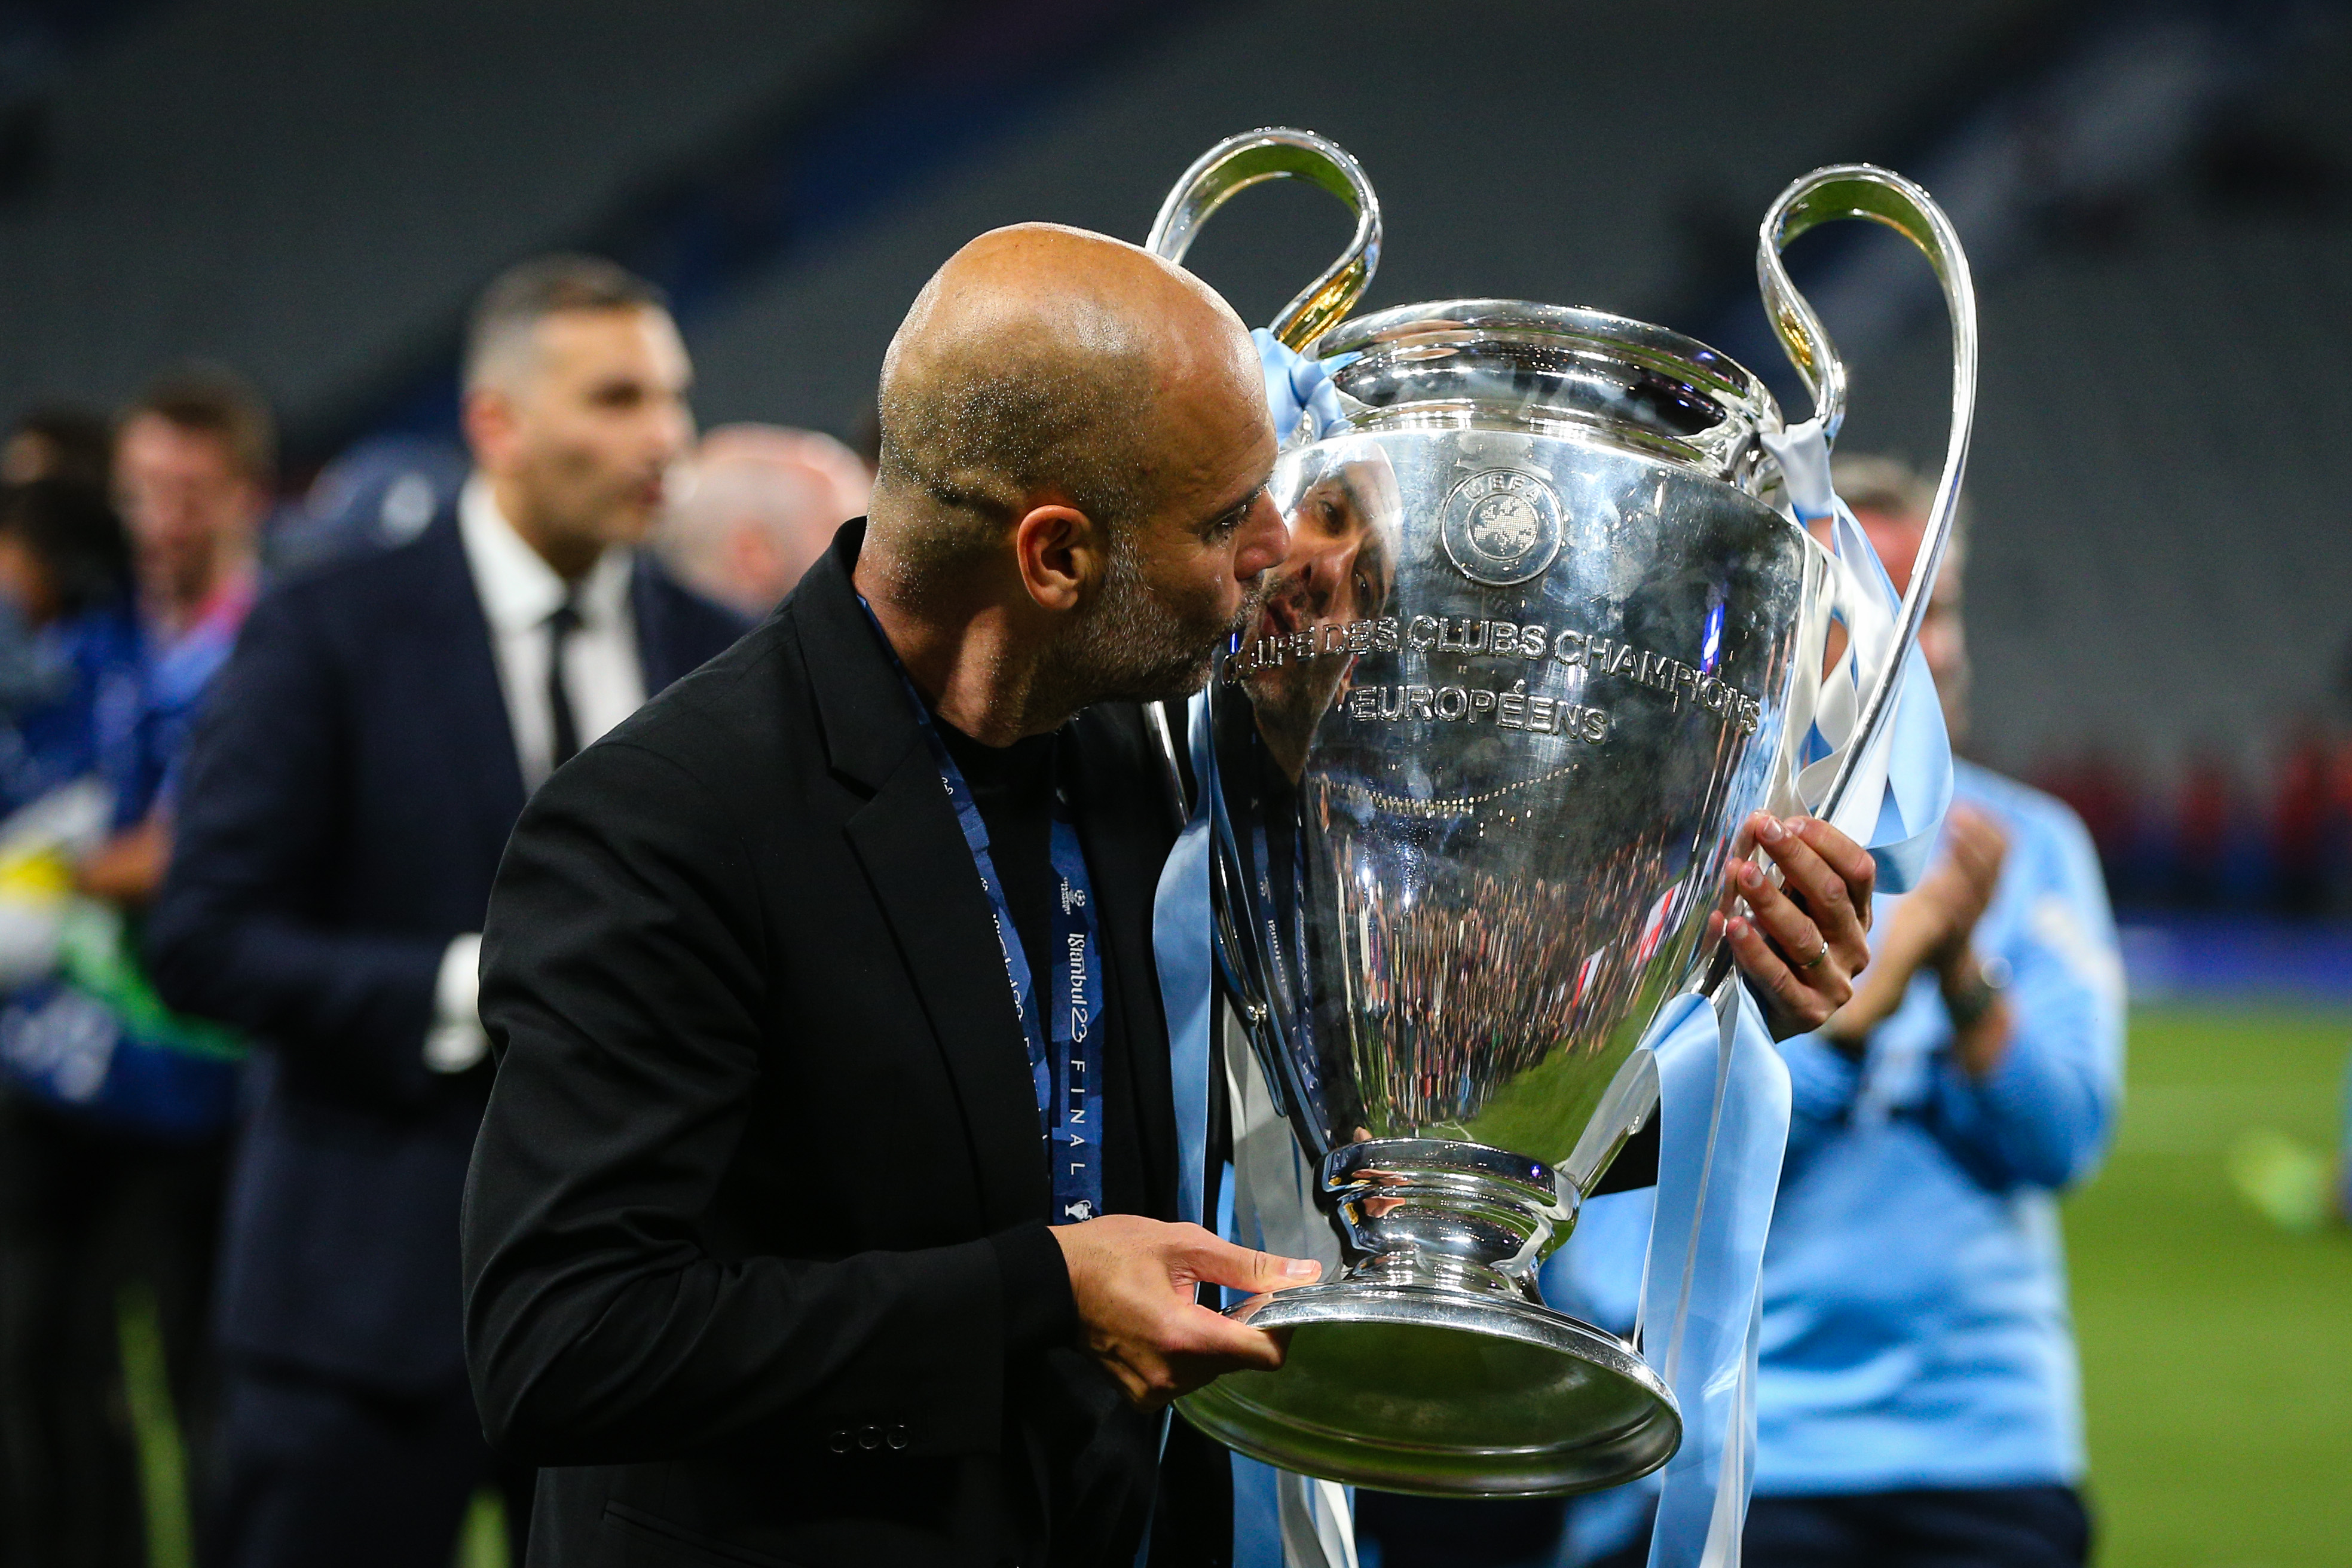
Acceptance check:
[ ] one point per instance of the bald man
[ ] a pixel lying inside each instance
(823, 997)
(759, 507)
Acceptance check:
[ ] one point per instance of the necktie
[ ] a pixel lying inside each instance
(564, 730)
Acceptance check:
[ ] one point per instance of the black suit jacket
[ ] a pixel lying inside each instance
(756, 1249)
(348, 793)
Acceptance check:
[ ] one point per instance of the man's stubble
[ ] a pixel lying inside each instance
(1134, 645)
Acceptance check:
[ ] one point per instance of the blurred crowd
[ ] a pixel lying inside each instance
(2223, 837)
(134, 544)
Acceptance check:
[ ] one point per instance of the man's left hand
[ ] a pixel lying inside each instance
(1799, 943)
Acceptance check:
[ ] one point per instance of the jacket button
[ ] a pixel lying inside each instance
(898, 1437)
(838, 1439)
(869, 1438)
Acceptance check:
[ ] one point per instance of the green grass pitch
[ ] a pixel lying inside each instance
(2217, 1350)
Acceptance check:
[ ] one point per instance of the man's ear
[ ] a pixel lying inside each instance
(487, 416)
(1061, 554)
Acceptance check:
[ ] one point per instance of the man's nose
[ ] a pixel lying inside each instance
(1331, 568)
(670, 432)
(1265, 542)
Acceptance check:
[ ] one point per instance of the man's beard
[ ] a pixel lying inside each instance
(1135, 646)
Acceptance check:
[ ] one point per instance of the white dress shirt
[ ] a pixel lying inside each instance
(520, 591)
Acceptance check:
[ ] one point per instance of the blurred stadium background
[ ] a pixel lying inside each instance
(2157, 197)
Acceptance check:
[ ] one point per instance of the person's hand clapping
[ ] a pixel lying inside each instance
(1802, 942)
(1930, 927)
(1135, 1281)
(1935, 922)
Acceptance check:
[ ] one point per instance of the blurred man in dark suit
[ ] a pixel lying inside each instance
(346, 801)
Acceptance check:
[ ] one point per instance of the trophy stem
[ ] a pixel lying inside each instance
(1429, 1211)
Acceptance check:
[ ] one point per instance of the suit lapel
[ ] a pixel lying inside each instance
(470, 708)
(915, 860)
(650, 608)
(920, 872)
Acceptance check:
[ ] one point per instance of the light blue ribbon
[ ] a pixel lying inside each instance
(1919, 762)
(1297, 388)
(1181, 946)
(1188, 998)
(1257, 1514)
(1900, 829)
(1723, 1122)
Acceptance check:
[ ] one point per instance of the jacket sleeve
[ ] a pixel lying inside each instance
(233, 935)
(625, 991)
(2041, 1117)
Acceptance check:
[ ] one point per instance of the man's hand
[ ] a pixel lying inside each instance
(1802, 942)
(128, 869)
(1930, 929)
(1951, 898)
(1135, 1280)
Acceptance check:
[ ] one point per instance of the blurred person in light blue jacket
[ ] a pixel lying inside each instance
(1917, 1400)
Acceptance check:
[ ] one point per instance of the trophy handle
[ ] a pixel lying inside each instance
(1865, 191)
(1277, 152)
(1234, 165)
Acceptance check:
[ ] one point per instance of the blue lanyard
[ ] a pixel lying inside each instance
(1067, 1075)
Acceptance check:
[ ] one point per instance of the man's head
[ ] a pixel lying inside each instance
(194, 458)
(61, 549)
(576, 404)
(1346, 528)
(760, 506)
(1076, 430)
(59, 442)
(1893, 502)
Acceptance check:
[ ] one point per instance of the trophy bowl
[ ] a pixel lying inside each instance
(1475, 773)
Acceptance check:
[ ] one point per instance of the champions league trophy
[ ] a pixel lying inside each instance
(1475, 778)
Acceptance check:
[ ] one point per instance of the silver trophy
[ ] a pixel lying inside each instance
(1541, 643)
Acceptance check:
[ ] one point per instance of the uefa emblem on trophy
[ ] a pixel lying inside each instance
(1543, 641)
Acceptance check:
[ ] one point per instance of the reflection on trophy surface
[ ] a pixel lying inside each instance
(1476, 768)
(1342, 561)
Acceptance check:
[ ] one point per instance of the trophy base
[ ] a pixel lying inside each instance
(1441, 1391)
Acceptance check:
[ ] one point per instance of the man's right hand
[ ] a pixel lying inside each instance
(1135, 1281)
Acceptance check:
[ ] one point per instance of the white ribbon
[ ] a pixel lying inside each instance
(1895, 808)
